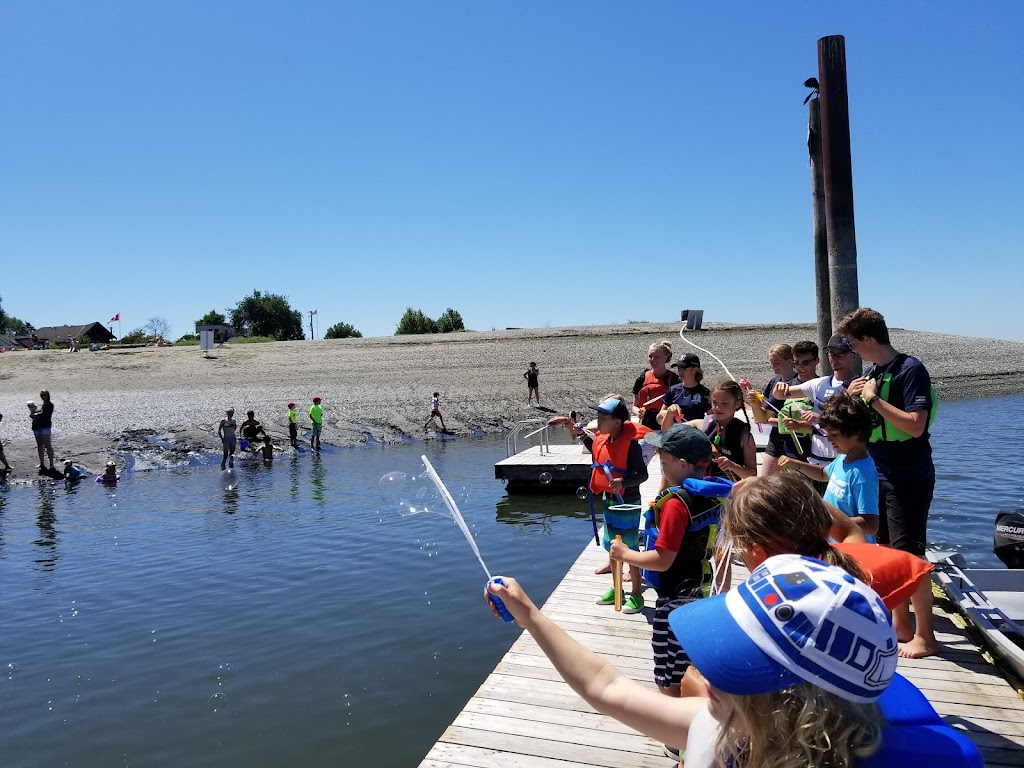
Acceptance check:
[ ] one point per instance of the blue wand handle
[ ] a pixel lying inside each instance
(496, 601)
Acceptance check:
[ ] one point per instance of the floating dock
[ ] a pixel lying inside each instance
(524, 715)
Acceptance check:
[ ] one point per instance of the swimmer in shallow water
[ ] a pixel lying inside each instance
(226, 433)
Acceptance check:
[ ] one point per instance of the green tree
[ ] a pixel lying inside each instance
(11, 324)
(342, 331)
(414, 321)
(213, 317)
(450, 321)
(267, 314)
(138, 336)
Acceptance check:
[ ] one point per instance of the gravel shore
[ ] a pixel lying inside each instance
(161, 404)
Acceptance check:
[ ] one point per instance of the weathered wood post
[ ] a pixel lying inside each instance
(823, 293)
(838, 175)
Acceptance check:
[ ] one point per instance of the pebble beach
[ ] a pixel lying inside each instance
(162, 405)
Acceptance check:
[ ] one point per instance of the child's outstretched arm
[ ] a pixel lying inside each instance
(812, 471)
(600, 684)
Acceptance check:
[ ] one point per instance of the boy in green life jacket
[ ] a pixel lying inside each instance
(684, 547)
(316, 415)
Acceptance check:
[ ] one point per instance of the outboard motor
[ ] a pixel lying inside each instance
(1008, 538)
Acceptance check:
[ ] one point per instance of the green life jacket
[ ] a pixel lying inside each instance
(889, 433)
(692, 570)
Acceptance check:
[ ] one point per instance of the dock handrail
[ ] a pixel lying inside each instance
(511, 440)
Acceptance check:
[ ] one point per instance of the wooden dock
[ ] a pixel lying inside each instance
(524, 715)
(564, 467)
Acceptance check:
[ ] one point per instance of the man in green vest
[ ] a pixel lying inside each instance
(899, 390)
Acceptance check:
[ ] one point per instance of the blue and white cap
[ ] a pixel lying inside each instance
(796, 619)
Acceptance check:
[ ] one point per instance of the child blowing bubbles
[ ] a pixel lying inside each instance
(770, 699)
(684, 548)
(852, 478)
(618, 470)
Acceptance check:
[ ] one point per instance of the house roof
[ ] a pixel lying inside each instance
(61, 332)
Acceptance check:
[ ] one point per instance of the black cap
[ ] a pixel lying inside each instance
(839, 342)
(683, 441)
(687, 361)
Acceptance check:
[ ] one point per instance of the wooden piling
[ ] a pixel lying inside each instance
(823, 293)
(837, 168)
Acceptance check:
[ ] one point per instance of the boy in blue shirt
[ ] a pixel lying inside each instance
(852, 477)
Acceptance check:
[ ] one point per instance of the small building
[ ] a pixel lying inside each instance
(90, 333)
(221, 331)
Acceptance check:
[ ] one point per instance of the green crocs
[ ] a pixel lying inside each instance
(607, 598)
(633, 604)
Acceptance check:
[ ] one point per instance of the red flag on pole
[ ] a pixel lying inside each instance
(116, 318)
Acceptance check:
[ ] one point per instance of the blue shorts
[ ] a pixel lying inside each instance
(317, 428)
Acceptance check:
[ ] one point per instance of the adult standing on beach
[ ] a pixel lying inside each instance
(899, 390)
(532, 377)
(653, 384)
(42, 425)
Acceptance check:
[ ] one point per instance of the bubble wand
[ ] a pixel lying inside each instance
(746, 385)
(617, 581)
(461, 522)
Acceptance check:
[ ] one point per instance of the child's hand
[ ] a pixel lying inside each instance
(786, 461)
(512, 595)
(618, 550)
(809, 417)
(726, 463)
(780, 390)
(753, 397)
(616, 485)
(793, 424)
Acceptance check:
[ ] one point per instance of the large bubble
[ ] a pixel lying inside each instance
(545, 478)
(411, 494)
(229, 479)
(581, 492)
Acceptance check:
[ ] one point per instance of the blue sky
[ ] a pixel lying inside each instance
(528, 163)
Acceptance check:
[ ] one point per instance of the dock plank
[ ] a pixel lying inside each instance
(524, 715)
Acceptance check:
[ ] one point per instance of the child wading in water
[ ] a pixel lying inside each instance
(435, 412)
(734, 449)
(532, 377)
(316, 415)
(757, 710)
(293, 425)
(226, 432)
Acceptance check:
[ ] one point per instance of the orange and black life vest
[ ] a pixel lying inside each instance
(652, 387)
(611, 456)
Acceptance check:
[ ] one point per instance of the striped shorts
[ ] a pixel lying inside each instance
(670, 660)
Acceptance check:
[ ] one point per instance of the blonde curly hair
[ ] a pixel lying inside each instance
(796, 727)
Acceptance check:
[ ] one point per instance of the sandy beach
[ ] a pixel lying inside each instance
(160, 404)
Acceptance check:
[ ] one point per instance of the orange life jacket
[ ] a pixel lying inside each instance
(652, 387)
(613, 454)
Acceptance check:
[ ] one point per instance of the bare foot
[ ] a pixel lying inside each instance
(603, 569)
(918, 648)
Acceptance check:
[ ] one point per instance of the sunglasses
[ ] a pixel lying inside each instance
(838, 353)
(804, 363)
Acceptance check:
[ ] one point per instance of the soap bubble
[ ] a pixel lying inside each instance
(545, 478)
(581, 492)
(412, 494)
(560, 467)
(229, 479)
(217, 702)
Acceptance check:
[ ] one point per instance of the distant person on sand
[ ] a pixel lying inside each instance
(653, 384)
(42, 424)
(293, 425)
(251, 429)
(435, 412)
(532, 377)
(316, 415)
(226, 432)
(7, 467)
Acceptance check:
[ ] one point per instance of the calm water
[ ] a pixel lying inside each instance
(301, 619)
